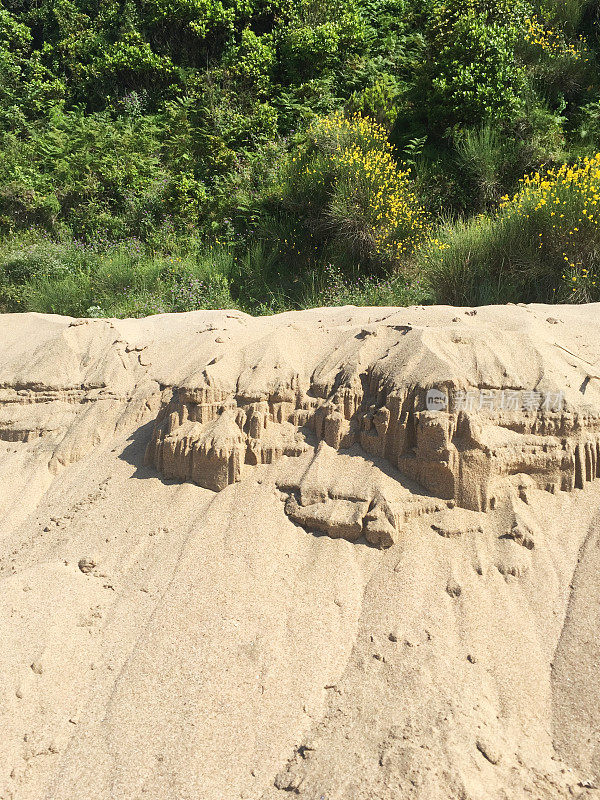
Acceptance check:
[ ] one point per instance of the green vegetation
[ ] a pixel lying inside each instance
(167, 155)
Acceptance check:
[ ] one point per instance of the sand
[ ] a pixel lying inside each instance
(337, 554)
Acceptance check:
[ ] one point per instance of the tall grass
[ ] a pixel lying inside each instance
(489, 260)
(565, 13)
(118, 279)
(123, 279)
(332, 287)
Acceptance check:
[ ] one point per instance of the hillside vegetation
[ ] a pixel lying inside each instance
(166, 155)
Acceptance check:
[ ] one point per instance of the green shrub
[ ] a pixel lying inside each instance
(87, 173)
(258, 283)
(317, 37)
(472, 73)
(379, 101)
(559, 65)
(486, 261)
(565, 13)
(588, 126)
(486, 159)
(251, 63)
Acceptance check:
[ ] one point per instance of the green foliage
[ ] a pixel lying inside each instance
(332, 287)
(378, 100)
(487, 261)
(307, 50)
(286, 135)
(27, 87)
(474, 75)
(251, 64)
(588, 125)
(486, 159)
(85, 172)
(201, 18)
(566, 14)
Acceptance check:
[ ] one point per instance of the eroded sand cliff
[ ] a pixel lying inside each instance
(343, 554)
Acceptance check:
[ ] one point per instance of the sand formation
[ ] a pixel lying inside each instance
(374, 398)
(176, 626)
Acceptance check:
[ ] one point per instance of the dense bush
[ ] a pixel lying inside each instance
(89, 173)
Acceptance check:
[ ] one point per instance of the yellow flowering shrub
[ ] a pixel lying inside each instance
(562, 208)
(541, 245)
(345, 182)
(550, 40)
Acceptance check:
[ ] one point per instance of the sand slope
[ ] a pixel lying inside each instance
(243, 558)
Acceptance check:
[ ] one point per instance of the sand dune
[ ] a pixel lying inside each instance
(338, 554)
